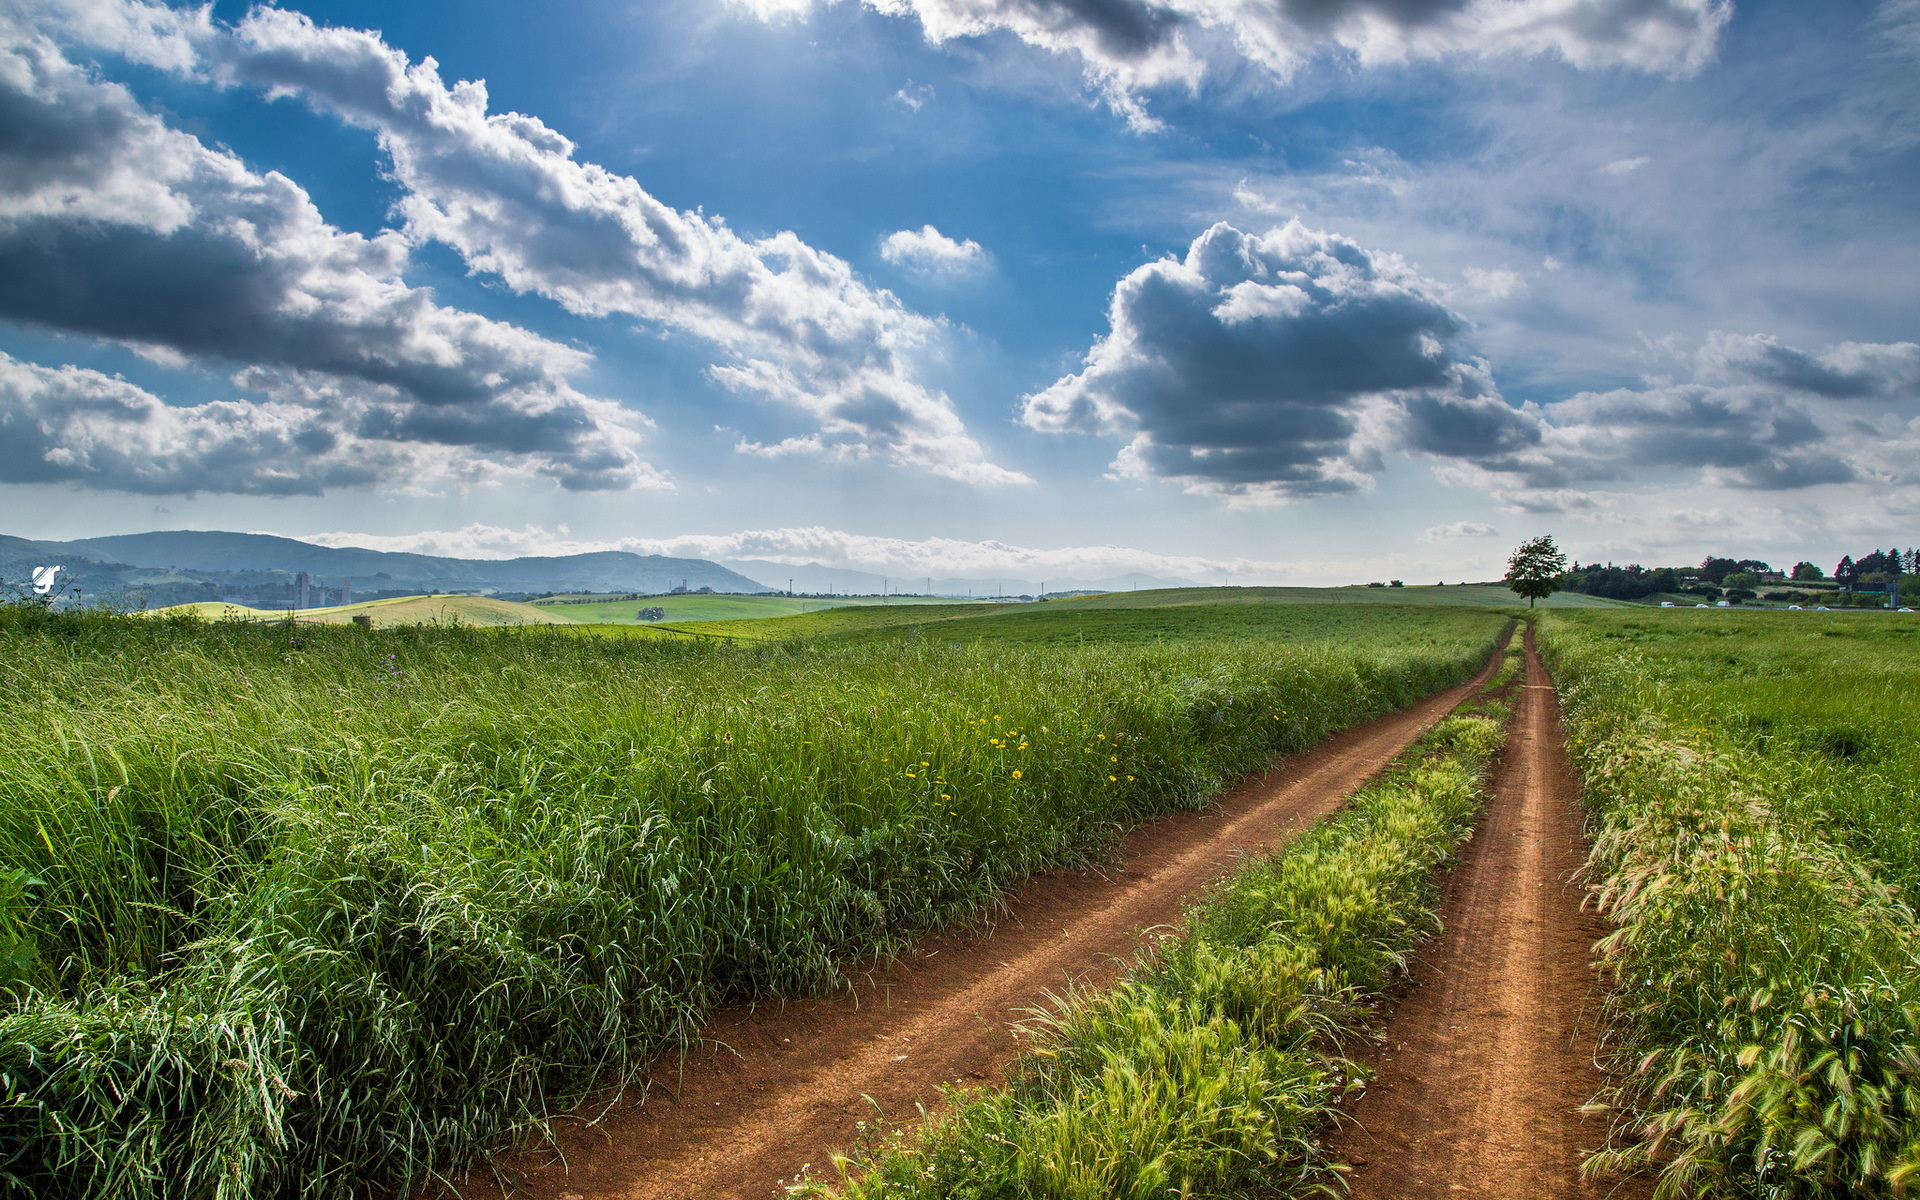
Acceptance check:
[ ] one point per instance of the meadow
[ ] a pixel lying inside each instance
(696, 607)
(314, 910)
(1754, 781)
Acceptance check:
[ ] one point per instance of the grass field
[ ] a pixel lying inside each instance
(481, 611)
(1131, 616)
(1755, 786)
(313, 911)
(720, 608)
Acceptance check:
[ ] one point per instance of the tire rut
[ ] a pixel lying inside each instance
(1489, 1056)
(773, 1088)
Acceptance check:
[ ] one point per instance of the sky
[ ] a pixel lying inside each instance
(1248, 291)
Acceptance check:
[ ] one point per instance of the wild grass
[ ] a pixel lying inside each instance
(319, 911)
(1210, 1069)
(1753, 803)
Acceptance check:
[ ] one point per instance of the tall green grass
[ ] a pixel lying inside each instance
(316, 911)
(1209, 1070)
(1766, 960)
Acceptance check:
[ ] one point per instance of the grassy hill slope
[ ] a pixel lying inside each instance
(400, 610)
(720, 608)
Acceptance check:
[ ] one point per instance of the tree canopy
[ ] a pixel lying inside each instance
(1534, 570)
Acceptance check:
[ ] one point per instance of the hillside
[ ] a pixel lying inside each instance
(405, 610)
(214, 551)
(696, 608)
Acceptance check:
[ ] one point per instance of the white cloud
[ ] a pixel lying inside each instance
(1438, 534)
(78, 426)
(836, 548)
(505, 192)
(1898, 22)
(1266, 367)
(114, 225)
(1130, 46)
(1625, 166)
(915, 97)
(927, 251)
(1495, 283)
(1759, 416)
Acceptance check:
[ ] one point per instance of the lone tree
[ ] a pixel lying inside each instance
(1534, 570)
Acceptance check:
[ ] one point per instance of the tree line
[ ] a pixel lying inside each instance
(1872, 572)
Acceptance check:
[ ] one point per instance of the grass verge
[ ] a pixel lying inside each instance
(1766, 988)
(1210, 1069)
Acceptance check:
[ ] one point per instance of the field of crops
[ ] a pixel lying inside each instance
(308, 911)
(1755, 784)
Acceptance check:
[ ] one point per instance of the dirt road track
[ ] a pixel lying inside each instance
(776, 1088)
(1490, 1054)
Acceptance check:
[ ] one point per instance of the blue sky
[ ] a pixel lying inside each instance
(1257, 290)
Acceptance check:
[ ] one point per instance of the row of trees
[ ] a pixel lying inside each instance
(1537, 569)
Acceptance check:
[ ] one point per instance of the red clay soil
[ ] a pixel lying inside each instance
(1489, 1056)
(773, 1089)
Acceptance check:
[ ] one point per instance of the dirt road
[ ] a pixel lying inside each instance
(776, 1088)
(1489, 1055)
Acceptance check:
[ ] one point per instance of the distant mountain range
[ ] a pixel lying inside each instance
(259, 569)
(181, 566)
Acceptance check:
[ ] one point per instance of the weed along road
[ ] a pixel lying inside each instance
(779, 1087)
(1487, 1060)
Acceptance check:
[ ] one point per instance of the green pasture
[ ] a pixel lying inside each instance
(719, 608)
(1143, 616)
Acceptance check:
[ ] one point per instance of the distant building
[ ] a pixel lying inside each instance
(346, 592)
(303, 590)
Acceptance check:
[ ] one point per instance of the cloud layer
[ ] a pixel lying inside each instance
(114, 225)
(505, 191)
(901, 557)
(1757, 416)
(76, 426)
(1283, 365)
(1128, 46)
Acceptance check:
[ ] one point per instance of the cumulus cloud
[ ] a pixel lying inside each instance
(927, 251)
(507, 193)
(1849, 370)
(1268, 367)
(1280, 365)
(78, 426)
(114, 225)
(1127, 46)
(1760, 416)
